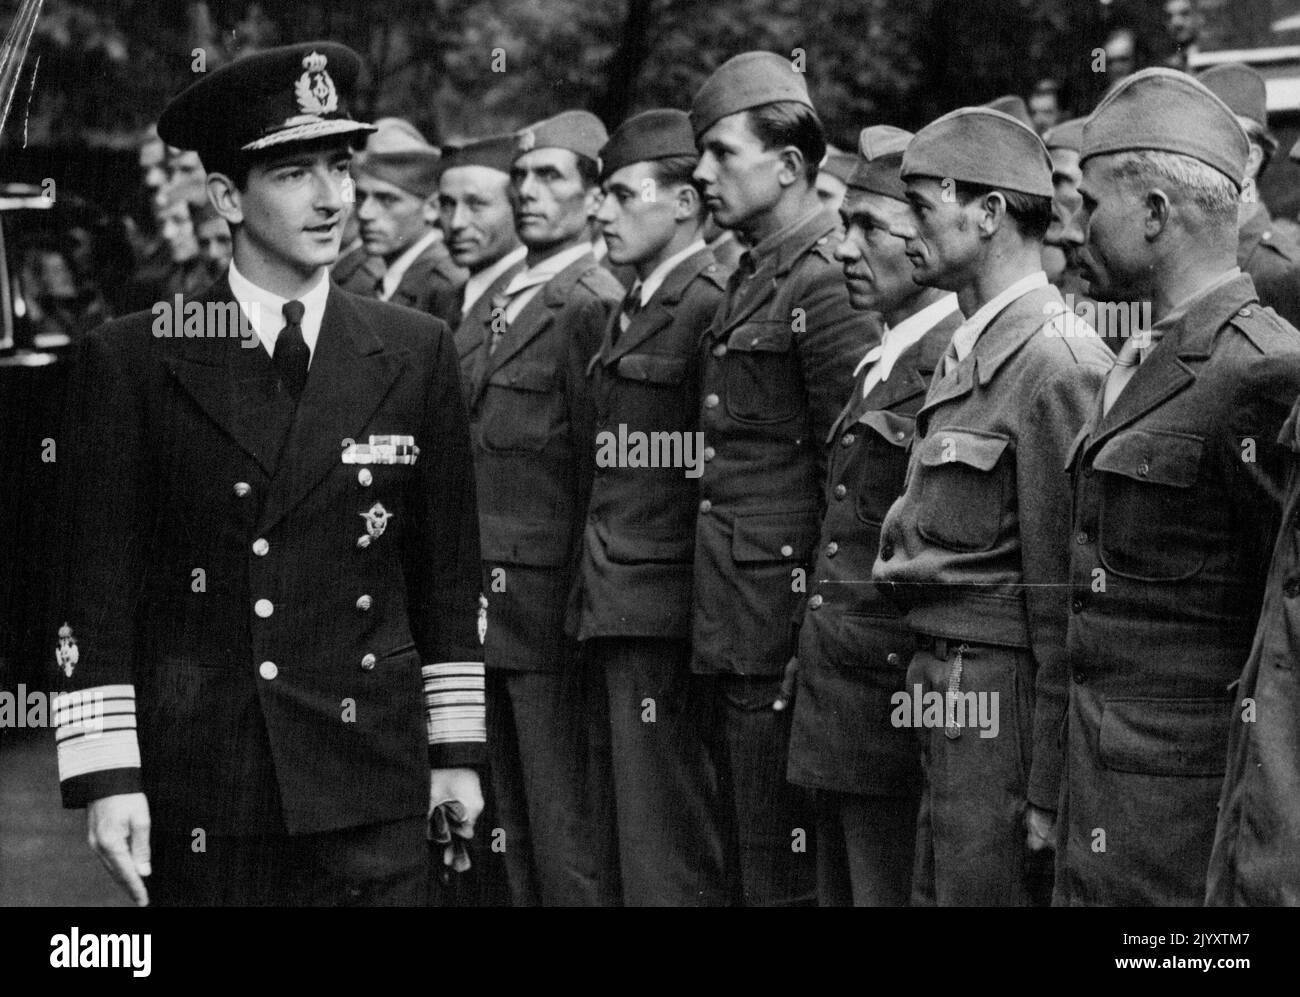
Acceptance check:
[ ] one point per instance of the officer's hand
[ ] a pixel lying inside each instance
(461, 785)
(1042, 829)
(787, 685)
(117, 829)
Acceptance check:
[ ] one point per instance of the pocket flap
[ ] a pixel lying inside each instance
(1187, 737)
(973, 448)
(632, 545)
(762, 337)
(526, 375)
(1151, 455)
(653, 368)
(774, 536)
(895, 430)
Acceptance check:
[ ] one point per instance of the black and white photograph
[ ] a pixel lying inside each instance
(650, 453)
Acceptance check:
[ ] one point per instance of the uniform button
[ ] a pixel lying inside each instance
(1244, 313)
(1076, 606)
(363, 541)
(815, 602)
(840, 491)
(900, 436)
(1292, 588)
(893, 659)
(886, 551)
(242, 488)
(364, 477)
(268, 670)
(705, 505)
(260, 547)
(786, 550)
(263, 608)
(709, 453)
(368, 662)
(710, 401)
(364, 603)
(1144, 469)
(1081, 538)
(847, 440)
(720, 350)
(832, 549)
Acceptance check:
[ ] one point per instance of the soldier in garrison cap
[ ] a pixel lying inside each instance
(976, 548)
(854, 646)
(396, 208)
(778, 365)
(476, 207)
(634, 584)
(1177, 479)
(1269, 255)
(1064, 235)
(833, 177)
(239, 732)
(531, 421)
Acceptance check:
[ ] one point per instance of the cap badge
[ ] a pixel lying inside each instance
(314, 89)
(527, 141)
(66, 654)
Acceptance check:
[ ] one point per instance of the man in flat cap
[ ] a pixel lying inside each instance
(778, 365)
(267, 613)
(396, 189)
(530, 418)
(1177, 479)
(1264, 251)
(977, 548)
(853, 645)
(634, 583)
(476, 208)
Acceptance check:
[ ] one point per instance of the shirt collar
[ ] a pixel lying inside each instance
(265, 309)
(548, 268)
(897, 339)
(963, 340)
(397, 269)
(661, 272)
(485, 278)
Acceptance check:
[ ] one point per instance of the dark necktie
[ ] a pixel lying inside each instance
(631, 308)
(291, 353)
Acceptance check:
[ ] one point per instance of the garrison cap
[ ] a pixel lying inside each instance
(880, 150)
(295, 93)
(750, 79)
(659, 134)
(1241, 88)
(496, 152)
(398, 154)
(578, 131)
(838, 164)
(1168, 111)
(1066, 135)
(1014, 106)
(982, 146)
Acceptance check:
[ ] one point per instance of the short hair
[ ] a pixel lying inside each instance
(788, 122)
(1260, 135)
(1031, 212)
(1215, 193)
(674, 171)
(588, 170)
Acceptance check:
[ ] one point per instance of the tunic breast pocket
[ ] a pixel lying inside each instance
(762, 380)
(520, 411)
(652, 370)
(880, 463)
(963, 488)
(1148, 522)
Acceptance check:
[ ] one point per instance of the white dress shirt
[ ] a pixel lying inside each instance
(661, 272)
(265, 310)
(896, 340)
(528, 282)
(963, 340)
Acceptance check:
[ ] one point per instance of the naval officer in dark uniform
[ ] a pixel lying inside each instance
(270, 591)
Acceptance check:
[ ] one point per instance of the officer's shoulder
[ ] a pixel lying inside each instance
(1280, 245)
(710, 279)
(396, 325)
(1067, 342)
(597, 281)
(1264, 329)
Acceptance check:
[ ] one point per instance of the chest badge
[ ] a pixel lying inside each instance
(66, 654)
(376, 518)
